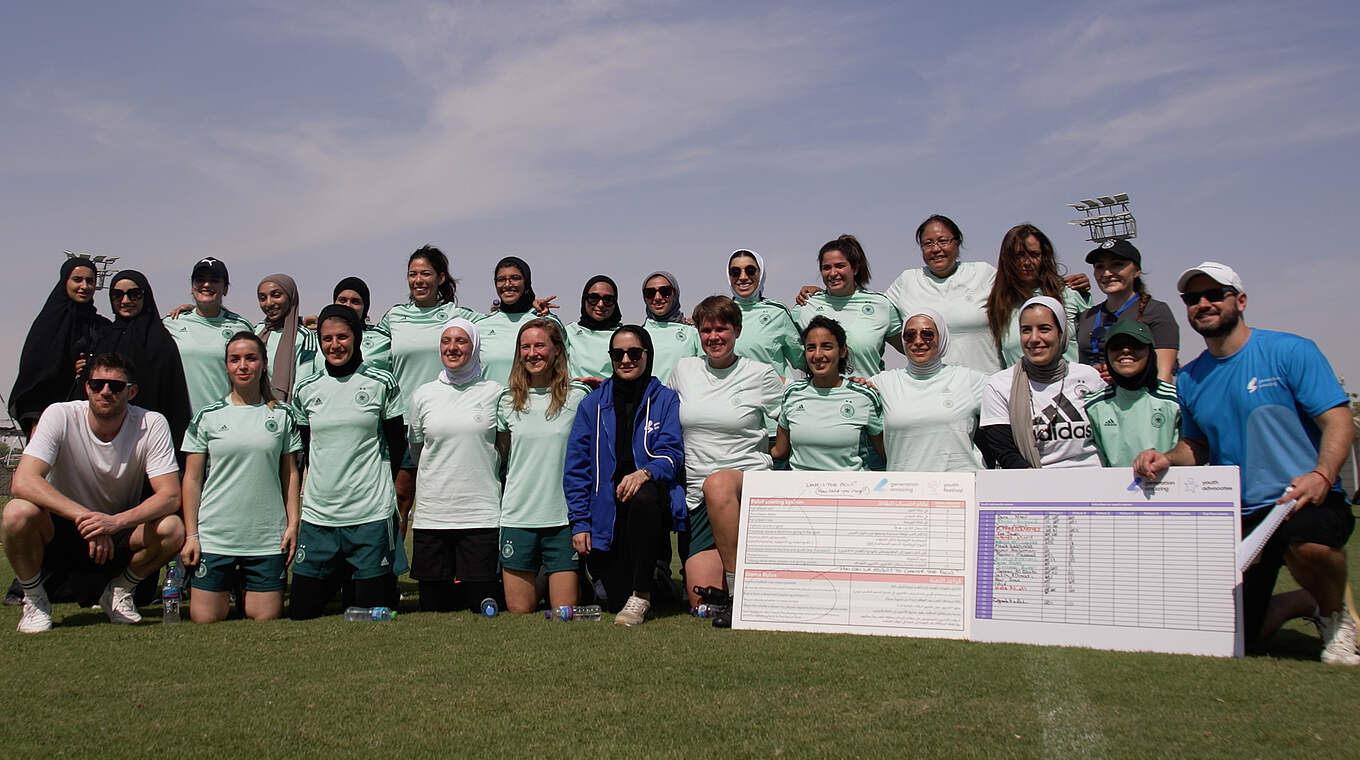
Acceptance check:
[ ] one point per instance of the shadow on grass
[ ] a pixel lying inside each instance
(1293, 645)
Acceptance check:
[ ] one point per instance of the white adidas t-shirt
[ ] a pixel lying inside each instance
(1062, 431)
(104, 477)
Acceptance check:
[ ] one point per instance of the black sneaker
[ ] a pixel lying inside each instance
(724, 617)
(713, 595)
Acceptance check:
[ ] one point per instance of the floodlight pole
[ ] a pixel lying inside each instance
(102, 264)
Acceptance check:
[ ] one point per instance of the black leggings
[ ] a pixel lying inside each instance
(639, 527)
(309, 595)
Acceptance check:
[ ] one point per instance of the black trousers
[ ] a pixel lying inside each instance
(639, 527)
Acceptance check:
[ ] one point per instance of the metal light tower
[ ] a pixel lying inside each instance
(101, 262)
(1107, 217)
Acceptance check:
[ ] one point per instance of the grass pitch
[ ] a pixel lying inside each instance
(462, 685)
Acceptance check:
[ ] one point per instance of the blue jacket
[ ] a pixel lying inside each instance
(588, 477)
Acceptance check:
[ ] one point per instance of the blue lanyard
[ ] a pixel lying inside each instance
(1100, 319)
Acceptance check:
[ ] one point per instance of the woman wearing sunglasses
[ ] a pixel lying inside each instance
(533, 423)
(827, 418)
(769, 334)
(622, 475)
(138, 334)
(588, 338)
(930, 408)
(673, 337)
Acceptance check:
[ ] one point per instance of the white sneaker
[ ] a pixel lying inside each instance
(118, 603)
(37, 615)
(634, 611)
(1338, 638)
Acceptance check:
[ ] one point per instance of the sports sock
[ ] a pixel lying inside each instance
(731, 580)
(129, 580)
(33, 585)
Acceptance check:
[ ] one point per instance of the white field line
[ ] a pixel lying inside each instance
(1071, 725)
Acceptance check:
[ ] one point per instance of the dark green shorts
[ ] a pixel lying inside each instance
(700, 531)
(218, 572)
(525, 549)
(370, 548)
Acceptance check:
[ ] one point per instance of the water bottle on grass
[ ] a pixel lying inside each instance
(353, 614)
(170, 594)
(578, 612)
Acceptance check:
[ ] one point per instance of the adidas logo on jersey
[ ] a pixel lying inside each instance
(1110, 423)
(1061, 421)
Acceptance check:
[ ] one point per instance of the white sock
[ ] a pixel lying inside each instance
(731, 580)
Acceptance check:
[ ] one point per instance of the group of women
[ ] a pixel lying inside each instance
(521, 451)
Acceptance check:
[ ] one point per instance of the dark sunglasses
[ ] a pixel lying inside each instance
(927, 335)
(594, 298)
(634, 354)
(1213, 294)
(666, 291)
(751, 270)
(133, 294)
(97, 385)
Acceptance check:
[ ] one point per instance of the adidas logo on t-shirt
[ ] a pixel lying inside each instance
(1061, 421)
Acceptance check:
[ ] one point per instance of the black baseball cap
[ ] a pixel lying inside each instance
(213, 267)
(1121, 248)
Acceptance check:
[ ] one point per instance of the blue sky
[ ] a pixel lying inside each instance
(333, 138)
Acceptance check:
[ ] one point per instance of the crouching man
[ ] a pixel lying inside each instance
(78, 502)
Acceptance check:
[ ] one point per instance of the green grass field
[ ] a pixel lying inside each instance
(459, 684)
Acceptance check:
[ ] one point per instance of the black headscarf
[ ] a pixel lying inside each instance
(61, 332)
(345, 313)
(358, 286)
(627, 397)
(608, 323)
(160, 372)
(526, 299)
(1146, 379)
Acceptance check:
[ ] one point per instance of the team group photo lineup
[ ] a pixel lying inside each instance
(296, 457)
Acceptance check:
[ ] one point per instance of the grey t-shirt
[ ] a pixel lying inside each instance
(1156, 315)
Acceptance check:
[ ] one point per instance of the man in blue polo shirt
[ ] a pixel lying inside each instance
(1269, 403)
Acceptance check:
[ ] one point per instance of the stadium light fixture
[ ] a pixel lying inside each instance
(1106, 217)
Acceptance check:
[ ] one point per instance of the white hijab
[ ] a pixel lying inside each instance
(941, 337)
(760, 284)
(471, 371)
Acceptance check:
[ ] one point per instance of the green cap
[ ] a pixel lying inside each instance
(1139, 331)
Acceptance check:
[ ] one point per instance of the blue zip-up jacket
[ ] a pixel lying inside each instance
(658, 447)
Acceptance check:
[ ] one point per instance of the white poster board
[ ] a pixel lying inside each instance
(868, 552)
(1090, 557)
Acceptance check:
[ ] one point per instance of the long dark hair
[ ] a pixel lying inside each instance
(853, 252)
(448, 291)
(1007, 293)
(266, 390)
(838, 332)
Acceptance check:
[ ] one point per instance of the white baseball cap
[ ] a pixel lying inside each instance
(1219, 273)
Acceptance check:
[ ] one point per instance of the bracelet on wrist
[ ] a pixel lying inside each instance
(1324, 477)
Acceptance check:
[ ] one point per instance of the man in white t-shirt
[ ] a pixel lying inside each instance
(78, 496)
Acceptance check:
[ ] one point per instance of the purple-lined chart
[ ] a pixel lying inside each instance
(1086, 557)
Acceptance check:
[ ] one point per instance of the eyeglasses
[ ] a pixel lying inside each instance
(665, 291)
(910, 334)
(596, 298)
(1213, 294)
(97, 385)
(509, 279)
(132, 294)
(751, 270)
(926, 245)
(634, 354)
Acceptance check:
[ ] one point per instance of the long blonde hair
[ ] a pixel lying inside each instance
(558, 384)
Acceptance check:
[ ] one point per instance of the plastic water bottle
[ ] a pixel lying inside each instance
(578, 612)
(353, 614)
(706, 610)
(489, 607)
(174, 577)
